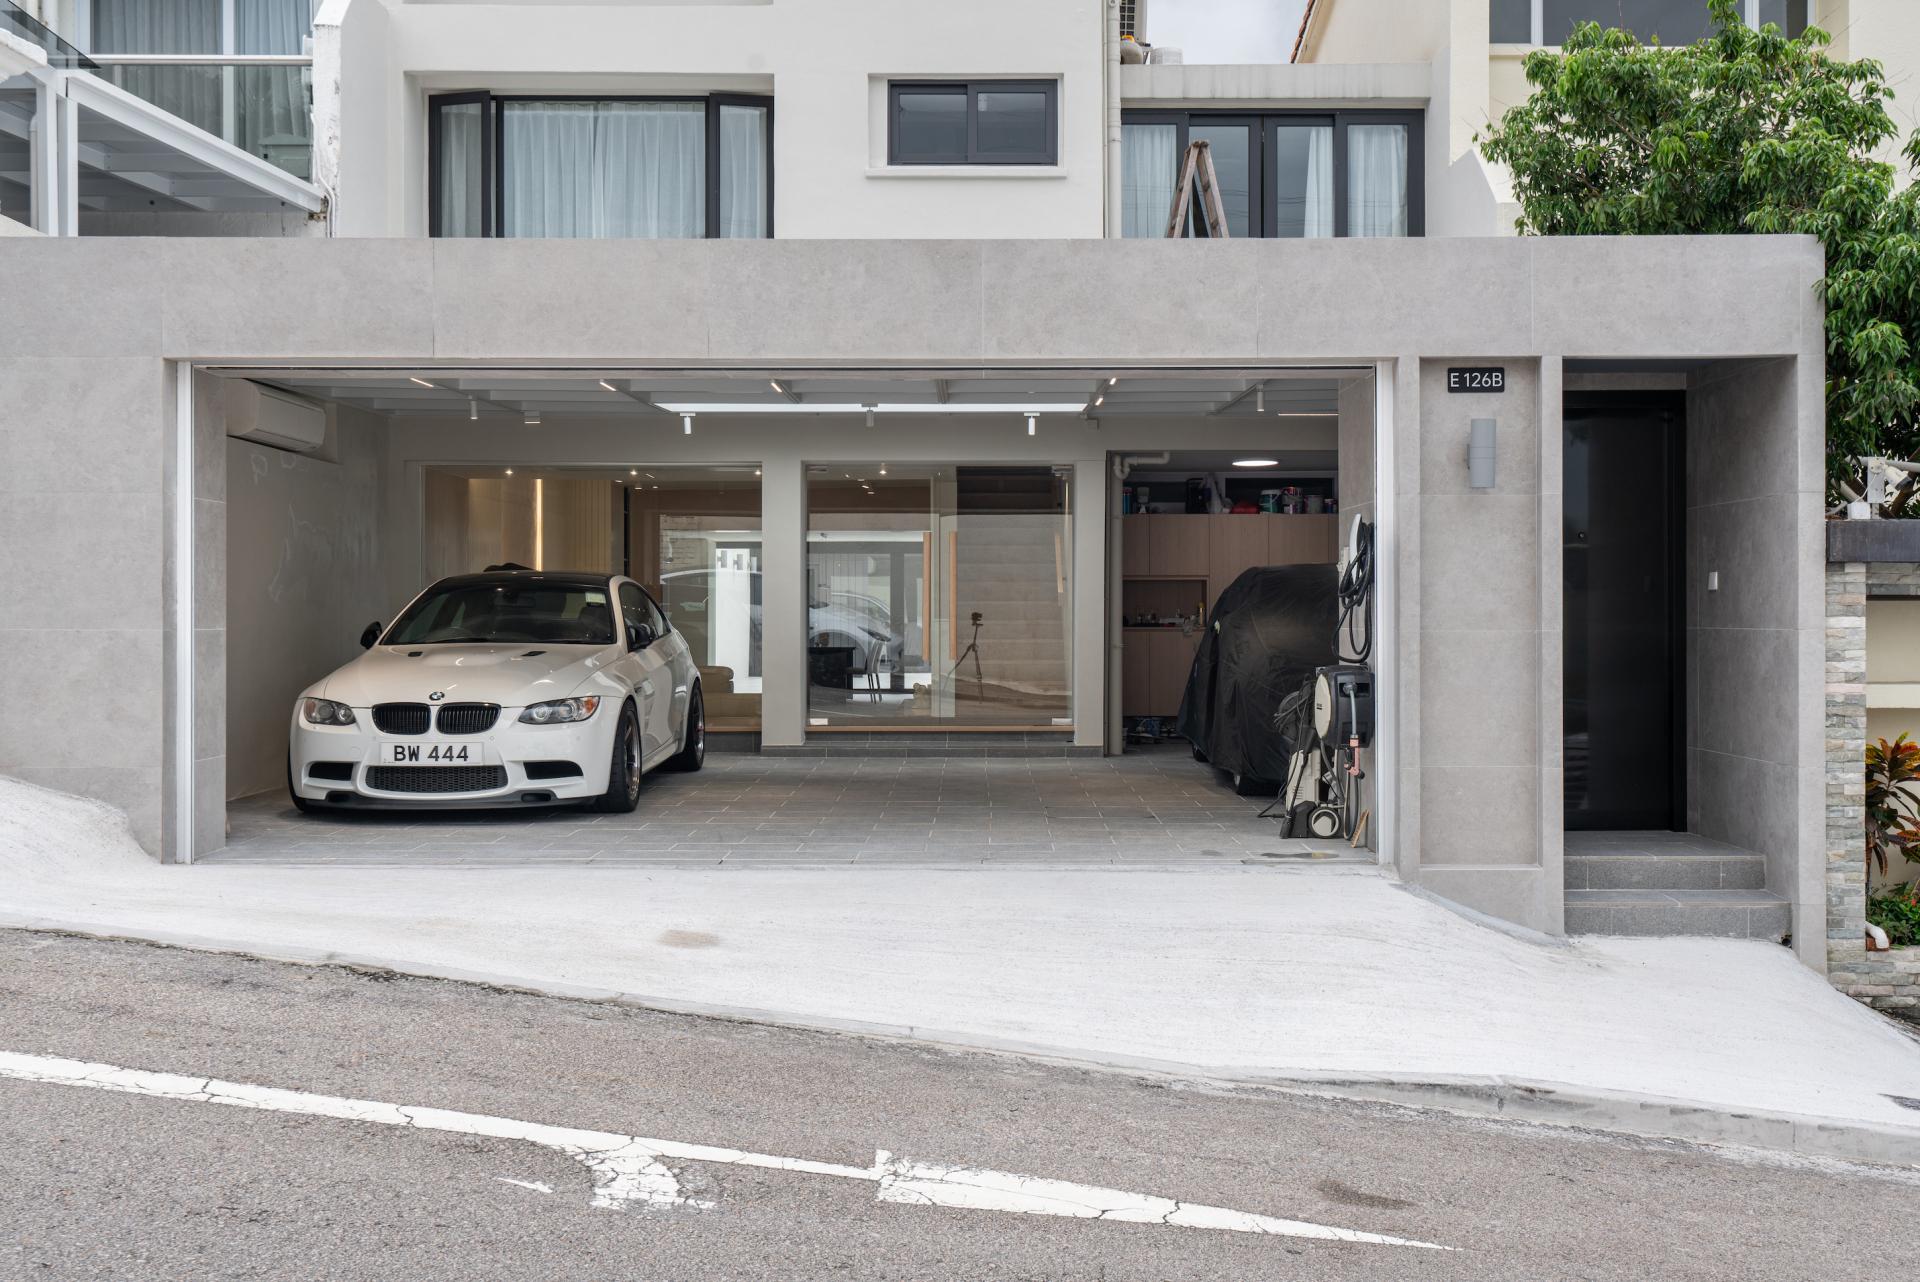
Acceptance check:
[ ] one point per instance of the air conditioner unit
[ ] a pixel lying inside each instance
(269, 416)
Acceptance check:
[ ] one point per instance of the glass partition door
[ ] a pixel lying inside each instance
(939, 597)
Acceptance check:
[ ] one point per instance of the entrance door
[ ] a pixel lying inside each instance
(1623, 641)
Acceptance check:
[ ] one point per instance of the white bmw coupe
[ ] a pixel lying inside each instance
(509, 688)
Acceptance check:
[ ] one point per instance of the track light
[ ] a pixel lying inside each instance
(686, 425)
(609, 386)
(1099, 400)
(776, 386)
(423, 382)
(1113, 380)
(1032, 423)
(473, 411)
(1259, 400)
(869, 416)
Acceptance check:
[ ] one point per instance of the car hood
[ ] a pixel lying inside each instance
(509, 675)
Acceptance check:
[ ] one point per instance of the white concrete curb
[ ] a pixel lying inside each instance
(1517, 1099)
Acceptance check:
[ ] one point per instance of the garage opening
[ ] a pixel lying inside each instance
(969, 564)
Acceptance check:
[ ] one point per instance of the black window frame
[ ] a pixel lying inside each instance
(493, 147)
(973, 89)
(1265, 173)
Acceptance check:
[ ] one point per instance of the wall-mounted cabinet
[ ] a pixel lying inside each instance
(1177, 566)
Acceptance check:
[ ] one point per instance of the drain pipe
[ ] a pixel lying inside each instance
(1125, 463)
(1111, 214)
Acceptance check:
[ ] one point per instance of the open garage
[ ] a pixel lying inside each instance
(935, 615)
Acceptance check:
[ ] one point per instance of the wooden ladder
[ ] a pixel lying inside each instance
(1197, 168)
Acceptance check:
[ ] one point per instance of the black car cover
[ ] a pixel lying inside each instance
(1271, 628)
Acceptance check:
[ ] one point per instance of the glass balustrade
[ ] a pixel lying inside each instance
(263, 108)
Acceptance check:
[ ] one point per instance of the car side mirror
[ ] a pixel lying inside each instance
(368, 637)
(639, 636)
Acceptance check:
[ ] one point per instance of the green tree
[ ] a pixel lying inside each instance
(1744, 132)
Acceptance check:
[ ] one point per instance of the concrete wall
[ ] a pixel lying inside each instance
(1483, 761)
(303, 576)
(92, 383)
(1756, 646)
(1376, 31)
(826, 63)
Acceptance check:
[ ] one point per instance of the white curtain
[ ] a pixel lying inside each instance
(1149, 156)
(605, 169)
(275, 114)
(164, 26)
(1318, 211)
(743, 172)
(461, 141)
(1376, 180)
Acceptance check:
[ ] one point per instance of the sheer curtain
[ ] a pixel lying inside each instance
(164, 26)
(605, 169)
(743, 171)
(1149, 155)
(462, 138)
(275, 114)
(1317, 220)
(1376, 180)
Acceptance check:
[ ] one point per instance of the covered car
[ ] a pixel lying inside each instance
(1270, 630)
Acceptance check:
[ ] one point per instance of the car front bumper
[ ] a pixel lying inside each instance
(510, 765)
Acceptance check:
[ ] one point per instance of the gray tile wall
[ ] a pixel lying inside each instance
(1756, 646)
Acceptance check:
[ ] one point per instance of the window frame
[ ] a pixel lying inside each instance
(1266, 168)
(1049, 89)
(493, 161)
(1749, 13)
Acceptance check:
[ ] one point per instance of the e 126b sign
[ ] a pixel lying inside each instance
(1476, 378)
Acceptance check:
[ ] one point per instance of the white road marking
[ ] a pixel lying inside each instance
(627, 1169)
(535, 1185)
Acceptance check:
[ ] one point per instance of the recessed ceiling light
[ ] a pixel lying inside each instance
(509, 471)
(634, 472)
(1256, 462)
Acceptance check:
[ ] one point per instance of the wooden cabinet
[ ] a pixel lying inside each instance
(1136, 536)
(1236, 543)
(1136, 697)
(1300, 540)
(1177, 545)
(1169, 661)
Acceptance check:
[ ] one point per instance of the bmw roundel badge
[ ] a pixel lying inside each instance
(436, 696)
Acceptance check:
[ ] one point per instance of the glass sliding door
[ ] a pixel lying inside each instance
(603, 169)
(1149, 162)
(1300, 200)
(939, 597)
(459, 167)
(745, 192)
(1236, 164)
(1377, 202)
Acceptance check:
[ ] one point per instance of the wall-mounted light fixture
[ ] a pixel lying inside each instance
(1480, 453)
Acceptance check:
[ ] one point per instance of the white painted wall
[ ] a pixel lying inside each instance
(302, 580)
(824, 61)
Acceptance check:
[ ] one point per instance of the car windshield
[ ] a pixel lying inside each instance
(554, 613)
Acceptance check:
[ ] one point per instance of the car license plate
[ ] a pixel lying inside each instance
(428, 754)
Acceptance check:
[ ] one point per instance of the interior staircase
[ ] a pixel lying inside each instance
(1669, 883)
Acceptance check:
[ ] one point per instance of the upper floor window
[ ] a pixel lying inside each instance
(1672, 22)
(1281, 174)
(605, 168)
(973, 122)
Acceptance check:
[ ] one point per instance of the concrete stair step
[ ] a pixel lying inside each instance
(1725, 914)
(1741, 870)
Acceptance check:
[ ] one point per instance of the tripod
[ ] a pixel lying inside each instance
(973, 648)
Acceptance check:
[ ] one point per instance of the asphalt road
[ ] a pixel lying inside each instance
(129, 1187)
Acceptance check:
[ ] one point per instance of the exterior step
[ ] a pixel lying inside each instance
(1726, 914)
(1659, 861)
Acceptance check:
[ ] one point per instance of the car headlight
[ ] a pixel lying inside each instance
(325, 712)
(558, 710)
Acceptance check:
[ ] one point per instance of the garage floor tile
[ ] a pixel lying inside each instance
(747, 811)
